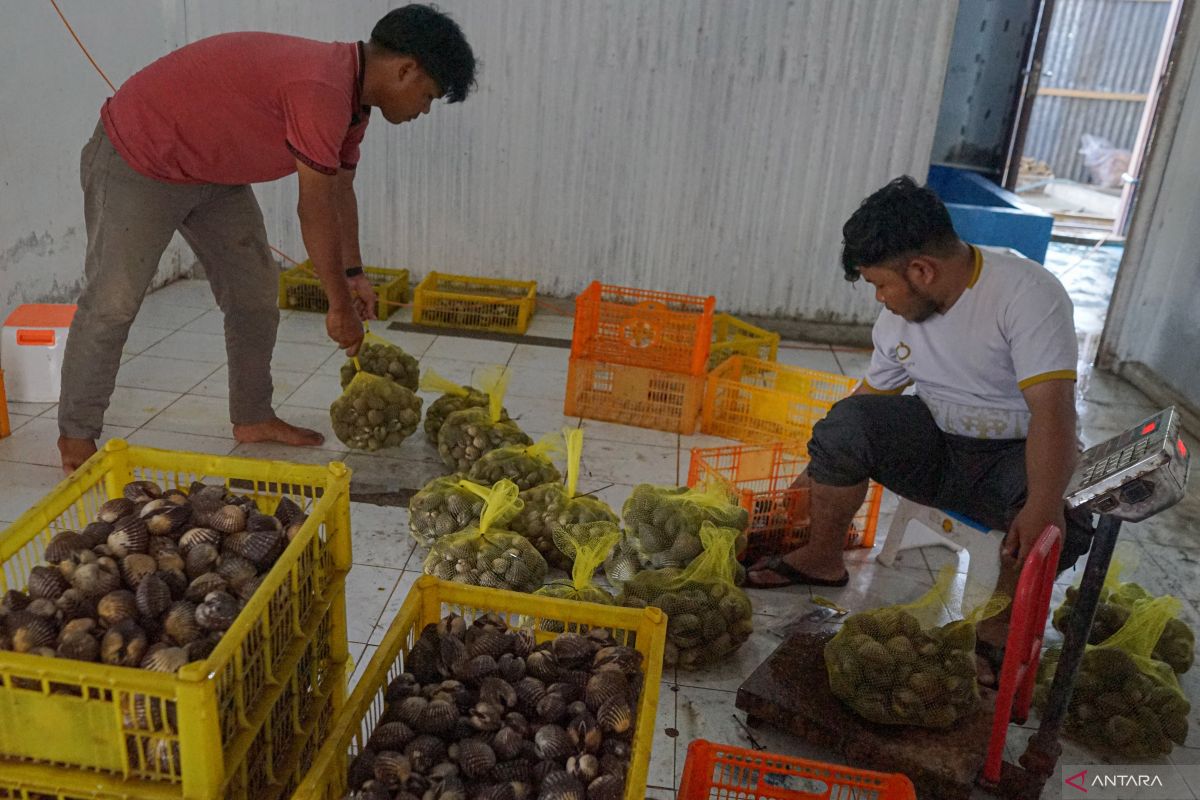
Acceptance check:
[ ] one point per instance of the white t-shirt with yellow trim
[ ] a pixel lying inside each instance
(1012, 327)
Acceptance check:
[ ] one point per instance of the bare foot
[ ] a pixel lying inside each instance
(276, 430)
(74, 452)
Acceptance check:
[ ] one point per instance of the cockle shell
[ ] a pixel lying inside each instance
(47, 583)
(195, 536)
(561, 785)
(142, 491)
(542, 665)
(179, 623)
(168, 659)
(604, 686)
(474, 758)
(391, 769)
(165, 518)
(228, 519)
(258, 547)
(424, 751)
(390, 736)
(64, 546)
(31, 632)
(77, 626)
(116, 607)
(263, 522)
(438, 717)
(129, 535)
(235, 569)
(80, 647)
(246, 589)
(201, 558)
(73, 604)
(199, 588)
(124, 644)
(615, 715)
(508, 743)
(113, 510)
(94, 581)
(136, 566)
(217, 612)
(551, 708)
(96, 532)
(551, 742)
(572, 649)
(606, 787)
(287, 511)
(153, 597)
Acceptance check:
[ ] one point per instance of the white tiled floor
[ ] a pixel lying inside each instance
(172, 395)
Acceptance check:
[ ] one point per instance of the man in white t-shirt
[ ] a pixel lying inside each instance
(987, 341)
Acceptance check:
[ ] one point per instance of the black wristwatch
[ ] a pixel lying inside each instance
(354, 272)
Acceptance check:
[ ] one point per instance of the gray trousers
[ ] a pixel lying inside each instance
(130, 220)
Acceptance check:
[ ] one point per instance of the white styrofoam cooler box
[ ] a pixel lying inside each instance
(32, 344)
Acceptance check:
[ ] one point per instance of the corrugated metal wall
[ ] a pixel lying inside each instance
(983, 79)
(1100, 45)
(696, 145)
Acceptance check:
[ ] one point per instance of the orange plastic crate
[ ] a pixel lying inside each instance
(638, 396)
(761, 478)
(642, 328)
(764, 402)
(722, 772)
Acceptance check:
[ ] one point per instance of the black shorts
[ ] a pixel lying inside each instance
(893, 440)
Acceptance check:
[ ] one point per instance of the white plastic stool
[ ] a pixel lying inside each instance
(945, 529)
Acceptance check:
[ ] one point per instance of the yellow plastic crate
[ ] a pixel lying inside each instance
(732, 336)
(246, 716)
(428, 601)
(762, 402)
(482, 304)
(299, 288)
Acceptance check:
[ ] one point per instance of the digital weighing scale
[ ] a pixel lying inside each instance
(1130, 477)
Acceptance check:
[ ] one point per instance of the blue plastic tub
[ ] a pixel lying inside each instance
(983, 213)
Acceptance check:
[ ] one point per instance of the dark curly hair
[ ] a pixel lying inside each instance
(435, 41)
(899, 219)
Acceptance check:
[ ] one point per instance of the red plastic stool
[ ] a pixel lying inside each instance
(1023, 651)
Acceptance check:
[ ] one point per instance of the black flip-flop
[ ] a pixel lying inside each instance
(791, 576)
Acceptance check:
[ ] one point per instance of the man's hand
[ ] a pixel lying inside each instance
(1028, 526)
(344, 326)
(363, 294)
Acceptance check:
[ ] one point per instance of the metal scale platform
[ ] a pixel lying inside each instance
(1130, 477)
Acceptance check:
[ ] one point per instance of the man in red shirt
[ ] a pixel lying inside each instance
(176, 149)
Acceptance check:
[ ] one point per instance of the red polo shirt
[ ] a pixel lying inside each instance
(241, 108)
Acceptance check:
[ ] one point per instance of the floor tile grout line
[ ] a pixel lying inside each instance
(188, 393)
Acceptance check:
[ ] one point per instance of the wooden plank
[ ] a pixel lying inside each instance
(1090, 94)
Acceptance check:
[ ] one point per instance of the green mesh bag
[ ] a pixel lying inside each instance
(453, 398)
(551, 506)
(1176, 646)
(708, 617)
(447, 505)
(380, 357)
(467, 435)
(525, 465)
(373, 413)
(487, 555)
(910, 664)
(1125, 703)
(663, 522)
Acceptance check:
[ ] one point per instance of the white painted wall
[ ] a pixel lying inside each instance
(51, 99)
(697, 145)
(1155, 317)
